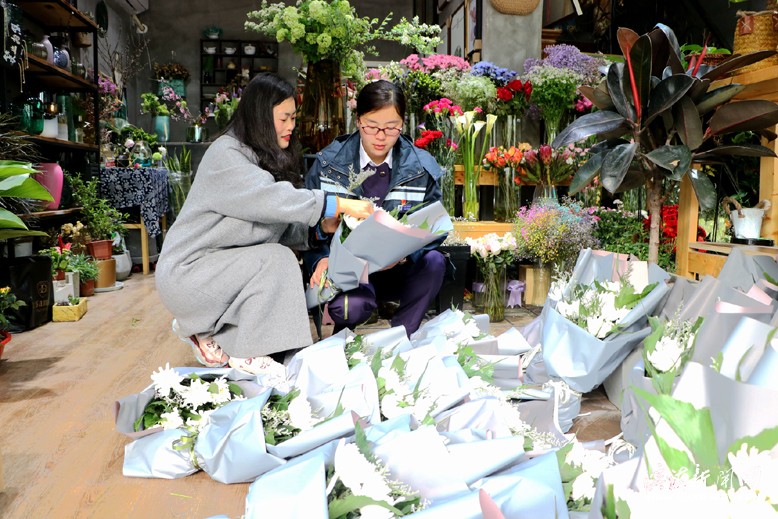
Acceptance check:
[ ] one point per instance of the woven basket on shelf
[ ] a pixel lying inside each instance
(771, 5)
(757, 31)
(520, 7)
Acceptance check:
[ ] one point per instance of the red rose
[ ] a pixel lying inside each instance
(504, 94)
(516, 85)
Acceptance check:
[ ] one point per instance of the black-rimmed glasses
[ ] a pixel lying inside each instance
(373, 130)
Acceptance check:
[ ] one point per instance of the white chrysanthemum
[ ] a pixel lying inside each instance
(166, 380)
(392, 381)
(758, 470)
(197, 394)
(567, 309)
(351, 222)
(301, 414)
(171, 420)
(359, 475)
(222, 394)
(583, 487)
(666, 355)
(597, 326)
(200, 419)
(471, 329)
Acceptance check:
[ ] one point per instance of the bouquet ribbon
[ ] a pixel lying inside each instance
(478, 287)
(515, 288)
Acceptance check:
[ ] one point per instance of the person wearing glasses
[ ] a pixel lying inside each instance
(401, 176)
(228, 268)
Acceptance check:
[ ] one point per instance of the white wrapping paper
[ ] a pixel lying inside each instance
(153, 456)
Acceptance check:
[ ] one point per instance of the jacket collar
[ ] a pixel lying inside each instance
(344, 151)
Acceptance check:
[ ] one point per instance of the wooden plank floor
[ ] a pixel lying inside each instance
(60, 455)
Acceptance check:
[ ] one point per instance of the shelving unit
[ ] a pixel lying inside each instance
(224, 61)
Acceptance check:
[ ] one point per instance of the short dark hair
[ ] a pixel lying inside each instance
(380, 94)
(253, 125)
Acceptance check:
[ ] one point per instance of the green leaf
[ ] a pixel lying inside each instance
(765, 440)
(7, 234)
(590, 169)
(8, 220)
(704, 189)
(598, 96)
(616, 164)
(741, 150)
(688, 123)
(345, 505)
(595, 123)
(753, 114)
(737, 62)
(676, 159)
(666, 94)
(693, 426)
(615, 78)
(717, 97)
(640, 59)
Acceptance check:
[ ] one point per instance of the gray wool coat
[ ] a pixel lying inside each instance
(227, 267)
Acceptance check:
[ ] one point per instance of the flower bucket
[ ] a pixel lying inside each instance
(747, 223)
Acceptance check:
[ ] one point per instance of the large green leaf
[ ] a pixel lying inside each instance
(8, 220)
(737, 62)
(344, 505)
(763, 441)
(598, 96)
(595, 123)
(634, 179)
(674, 56)
(693, 426)
(615, 80)
(9, 168)
(676, 159)
(717, 97)
(615, 165)
(640, 58)
(660, 50)
(703, 188)
(688, 123)
(666, 94)
(741, 150)
(7, 234)
(24, 188)
(586, 173)
(753, 114)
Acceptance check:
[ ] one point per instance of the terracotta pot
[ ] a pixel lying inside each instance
(100, 249)
(5, 338)
(87, 288)
(59, 275)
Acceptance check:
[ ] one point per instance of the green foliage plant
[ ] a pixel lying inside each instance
(16, 181)
(655, 118)
(84, 265)
(100, 218)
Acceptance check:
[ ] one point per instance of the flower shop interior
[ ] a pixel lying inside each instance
(603, 342)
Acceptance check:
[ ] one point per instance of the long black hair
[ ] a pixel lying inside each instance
(253, 125)
(380, 94)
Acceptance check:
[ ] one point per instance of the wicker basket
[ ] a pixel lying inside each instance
(754, 32)
(520, 7)
(771, 5)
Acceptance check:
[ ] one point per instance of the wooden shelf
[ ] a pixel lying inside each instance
(760, 84)
(56, 77)
(57, 14)
(62, 144)
(49, 214)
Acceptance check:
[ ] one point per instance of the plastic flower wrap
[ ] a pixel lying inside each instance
(285, 416)
(554, 233)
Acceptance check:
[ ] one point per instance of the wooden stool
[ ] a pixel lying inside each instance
(144, 240)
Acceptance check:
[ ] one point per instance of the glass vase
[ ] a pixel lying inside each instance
(162, 127)
(470, 200)
(510, 130)
(552, 129)
(493, 291)
(321, 118)
(506, 197)
(545, 194)
(448, 188)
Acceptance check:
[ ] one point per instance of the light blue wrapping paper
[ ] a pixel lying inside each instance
(483, 414)
(153, 456)
(376, 243)
(231, 447)
(297, 491)
(445, 322)
(390, 340)
(316, 368)
(306, 441)
(357, 392)
(744, 349)
(580, 359)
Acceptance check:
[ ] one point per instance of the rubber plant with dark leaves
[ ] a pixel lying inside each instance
(655, 118)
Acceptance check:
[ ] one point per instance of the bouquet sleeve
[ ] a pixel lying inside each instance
(376, 243)
(153, 456)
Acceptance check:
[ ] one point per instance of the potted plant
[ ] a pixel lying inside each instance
(71, 310)
(60, 260)
(174, 74)
(87, 272)
(100, 218)
(656, 118)
(164, 107)
(8, 302)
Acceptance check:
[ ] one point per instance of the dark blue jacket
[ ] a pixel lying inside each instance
(415, 175)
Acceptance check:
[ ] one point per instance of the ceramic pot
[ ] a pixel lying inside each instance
(87, 288)
(123, 265)
(49, 49)
(51, 177)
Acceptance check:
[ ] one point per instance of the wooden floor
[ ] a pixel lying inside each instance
(60, 455)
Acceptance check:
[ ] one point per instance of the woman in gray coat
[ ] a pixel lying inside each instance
(228, 272)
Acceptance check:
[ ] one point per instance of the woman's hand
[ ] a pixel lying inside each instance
(330, 225)
(357, 208)
(318, 272)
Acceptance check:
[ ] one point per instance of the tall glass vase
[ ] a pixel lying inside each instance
(470, 200)
(510, 130)
(545, 194)
(552, 128)
(321, 115)
(506, 197)
(448, 188)
(493, 294)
